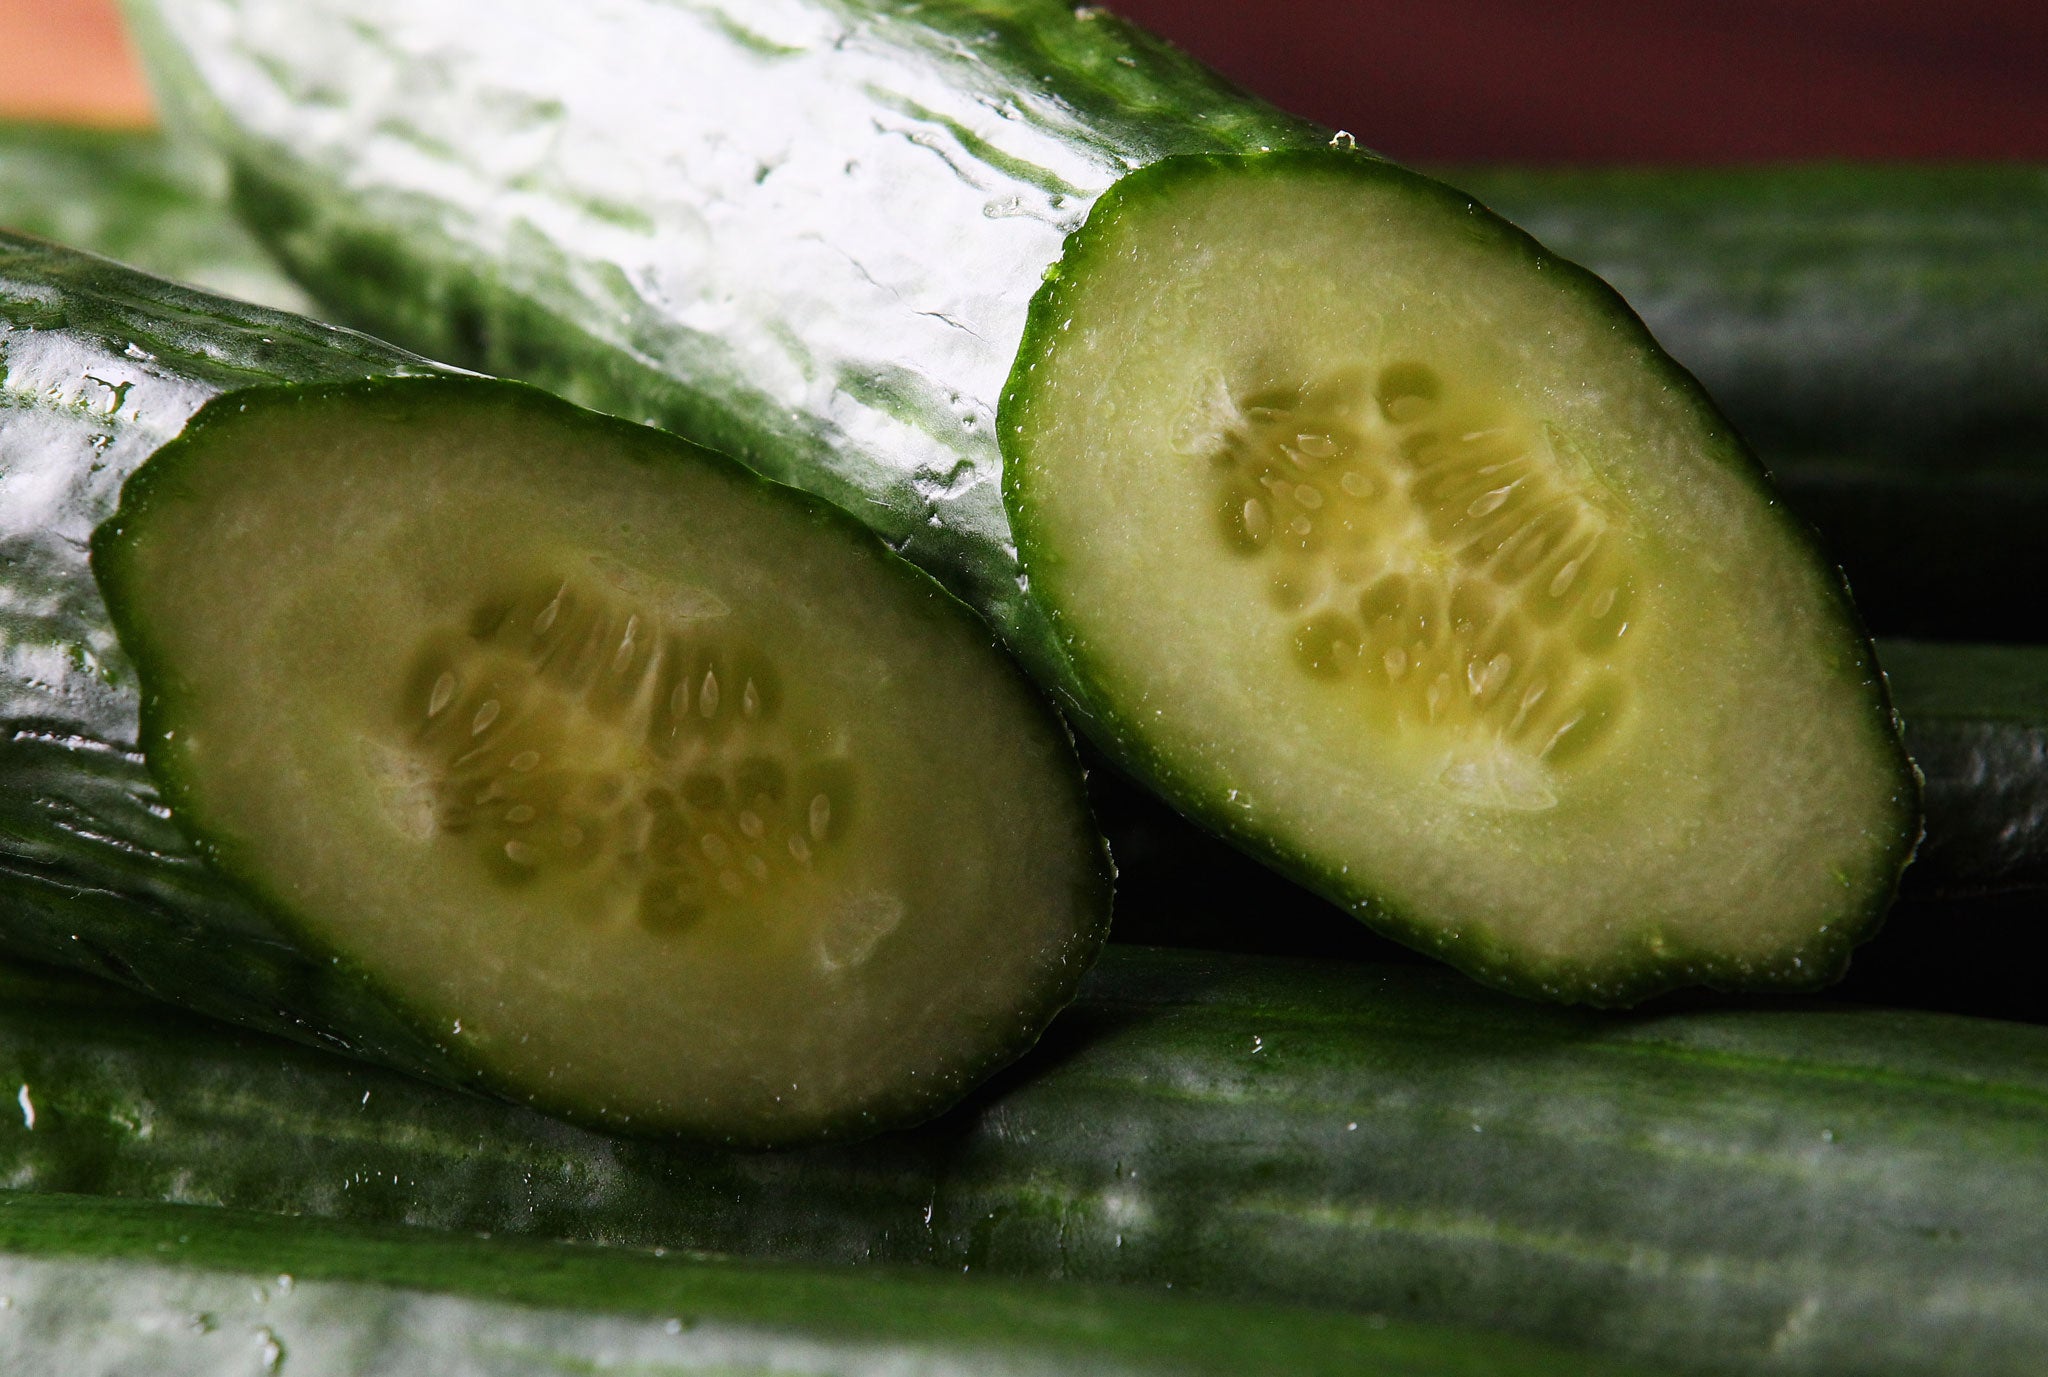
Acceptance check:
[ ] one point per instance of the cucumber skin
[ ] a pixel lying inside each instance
(91, 1280)
(134, 197)
(1977, 724)
(1784, 1188)
(105, 366)
(887, 408)
(106, 369)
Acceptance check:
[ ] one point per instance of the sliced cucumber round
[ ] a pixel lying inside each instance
(662, 795)
(1397, 547)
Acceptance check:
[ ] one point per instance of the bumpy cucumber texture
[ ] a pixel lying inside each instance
(1630, 736)
(1397, 548)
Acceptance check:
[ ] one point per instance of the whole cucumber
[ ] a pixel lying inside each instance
(1787, 1189)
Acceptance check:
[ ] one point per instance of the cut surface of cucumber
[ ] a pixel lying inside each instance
(1395, 544)
(662, 794)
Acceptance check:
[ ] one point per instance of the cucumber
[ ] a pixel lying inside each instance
(1729, 267)
(131, 195)
(102, 1286)
(97, 1286)
(1584, 714)
(1795, 1188)
(1880, 334)
(504, 742)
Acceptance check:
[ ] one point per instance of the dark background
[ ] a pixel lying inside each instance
(1614, 81)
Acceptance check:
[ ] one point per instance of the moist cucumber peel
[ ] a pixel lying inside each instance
(1393, 549)
(1675, 1187)
(817, 233)
(100, 1286)
(570, 760)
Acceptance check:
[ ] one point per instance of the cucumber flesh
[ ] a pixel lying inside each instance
(1394, 544)
(665, 798)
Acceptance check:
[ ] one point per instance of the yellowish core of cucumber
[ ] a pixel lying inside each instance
(651, 794)
(1405, 555)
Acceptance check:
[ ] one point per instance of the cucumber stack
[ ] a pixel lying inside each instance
(355, 698)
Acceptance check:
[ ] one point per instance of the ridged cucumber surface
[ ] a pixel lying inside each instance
(504, 742)
(97, 1286)
(1434, 585)
(1789, 1189)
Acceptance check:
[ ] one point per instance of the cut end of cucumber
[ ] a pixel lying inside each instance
(1398, 552)
(660, 796)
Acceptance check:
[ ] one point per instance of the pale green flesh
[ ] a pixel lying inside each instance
(657, 796)
(1395, 549)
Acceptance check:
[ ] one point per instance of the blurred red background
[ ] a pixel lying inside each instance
(1460, 80)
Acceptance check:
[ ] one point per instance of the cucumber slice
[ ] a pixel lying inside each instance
(1394, 547)
(499, 742)
(667, 798)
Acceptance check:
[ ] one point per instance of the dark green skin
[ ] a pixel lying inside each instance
(1792, 1188)
(1977, 725)
(85, 1275)
(822, 250)
(134, 197)
(1879, 334)
(107, 369)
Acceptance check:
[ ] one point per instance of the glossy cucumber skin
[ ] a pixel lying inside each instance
(1977, 724)
(97, 1286)
(132, 196)
(1792, 1188)
(105, 366)
(844, 312)
(1879, 334)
